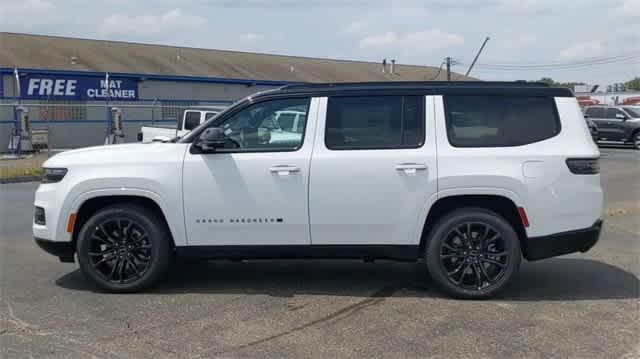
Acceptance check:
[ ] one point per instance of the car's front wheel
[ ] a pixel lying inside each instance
(472, 253)
(636, 140)
(124, 248)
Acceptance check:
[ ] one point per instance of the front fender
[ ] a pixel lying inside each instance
(171, 213)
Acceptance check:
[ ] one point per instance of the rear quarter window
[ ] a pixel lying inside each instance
(499, 121)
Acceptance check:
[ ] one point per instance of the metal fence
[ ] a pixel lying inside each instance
(66, 125)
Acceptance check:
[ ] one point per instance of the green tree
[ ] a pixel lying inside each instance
(633, 84)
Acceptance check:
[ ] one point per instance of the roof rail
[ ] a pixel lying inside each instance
(414, 84)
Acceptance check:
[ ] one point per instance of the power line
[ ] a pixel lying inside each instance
(595, 61)
(569, 63)
(629, 61)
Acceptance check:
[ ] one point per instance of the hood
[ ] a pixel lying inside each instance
(109, 154)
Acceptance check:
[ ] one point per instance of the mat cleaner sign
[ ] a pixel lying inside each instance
(35, 86)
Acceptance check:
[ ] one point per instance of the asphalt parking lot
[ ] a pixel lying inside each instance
(582, 305)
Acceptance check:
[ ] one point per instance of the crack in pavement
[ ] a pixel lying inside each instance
(347, 311)
(26, 330)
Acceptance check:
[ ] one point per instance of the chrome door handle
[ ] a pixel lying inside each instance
(284, 170)
(411, 168)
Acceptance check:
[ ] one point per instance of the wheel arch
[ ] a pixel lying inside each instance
(499, 203)
(89, 206)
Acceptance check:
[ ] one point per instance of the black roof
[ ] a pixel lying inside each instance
(413, 84)
(435, 87)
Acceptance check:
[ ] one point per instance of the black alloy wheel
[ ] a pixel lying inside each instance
(472, 253)
(120, 250)
(124, 248)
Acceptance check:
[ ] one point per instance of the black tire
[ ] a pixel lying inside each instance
(635, 140)
(124, 248)
(483, 270)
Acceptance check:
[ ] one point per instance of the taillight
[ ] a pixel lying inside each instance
(583, 166)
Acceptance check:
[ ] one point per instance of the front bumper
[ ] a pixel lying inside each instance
(62, 250)
(562, 243)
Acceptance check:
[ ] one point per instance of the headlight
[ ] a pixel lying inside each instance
(52, 175)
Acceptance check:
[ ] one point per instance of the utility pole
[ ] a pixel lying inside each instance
(448, 59)
(477, 55)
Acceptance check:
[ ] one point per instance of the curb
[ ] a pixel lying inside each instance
(20, 179)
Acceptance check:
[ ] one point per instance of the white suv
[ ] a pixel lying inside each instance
(470, 176)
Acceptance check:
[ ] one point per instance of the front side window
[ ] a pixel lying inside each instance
(635, 113)
(614, 113)
(499, 121)
(257, 127)
(375, 122)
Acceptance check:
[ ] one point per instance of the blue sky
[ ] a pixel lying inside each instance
(523, 32)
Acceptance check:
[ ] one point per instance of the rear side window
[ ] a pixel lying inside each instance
(596, 112)
(191, 120)
(499, 121)
(375, 122)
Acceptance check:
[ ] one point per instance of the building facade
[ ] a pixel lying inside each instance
(69, 85)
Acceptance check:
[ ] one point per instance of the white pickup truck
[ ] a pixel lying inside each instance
(191, 118)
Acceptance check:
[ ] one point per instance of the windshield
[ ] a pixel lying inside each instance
(633, 112)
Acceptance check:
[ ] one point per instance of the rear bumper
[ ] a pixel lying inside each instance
(563, 243)
(62, 250)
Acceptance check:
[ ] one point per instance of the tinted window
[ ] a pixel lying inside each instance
(498, 121)
(376, 122)
(292, 121)
(612, 112)
(209, 115)
(635, 113)
(256, 127)
(595, 112)
(192, 120)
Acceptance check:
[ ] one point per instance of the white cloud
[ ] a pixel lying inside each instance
(630, 8)
(582, 50)
(378, 40)
(427, 39)
(355, 27)
(434, 39)
(251, 37)
(20, 15)
(520, 6)
(173, 21)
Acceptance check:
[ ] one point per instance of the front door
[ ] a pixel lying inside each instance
(373, 169)
(255, 191)
(615, 129)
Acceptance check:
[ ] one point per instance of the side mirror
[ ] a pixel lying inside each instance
(210, 139)
(620, 116)
(586, 116)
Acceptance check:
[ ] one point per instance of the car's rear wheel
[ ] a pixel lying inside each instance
(124, 248)
(472, 253)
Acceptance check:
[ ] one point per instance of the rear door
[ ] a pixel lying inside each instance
(373, 168)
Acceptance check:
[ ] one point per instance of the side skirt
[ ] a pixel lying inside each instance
(405, 253)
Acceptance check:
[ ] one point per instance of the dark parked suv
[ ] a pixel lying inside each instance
(619, 124)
